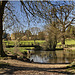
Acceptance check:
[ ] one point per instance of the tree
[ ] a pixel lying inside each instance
(2, 5)
(25, 9)
(17, 33)
(8, 36)
(70, 32)
(41, 35)
(28, 34)
(52, 34)
(4, 35)
(34, 31)
(62, 12)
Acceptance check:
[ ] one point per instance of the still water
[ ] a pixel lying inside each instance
(61, 56)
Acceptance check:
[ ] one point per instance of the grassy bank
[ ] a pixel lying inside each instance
(67, 42)
(28, 42)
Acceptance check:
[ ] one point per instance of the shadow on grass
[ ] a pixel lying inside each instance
(11, 69)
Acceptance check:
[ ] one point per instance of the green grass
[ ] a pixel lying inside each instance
(22, 49)
(9, 42)
(68, 42)
(29, 42)
(12, 49)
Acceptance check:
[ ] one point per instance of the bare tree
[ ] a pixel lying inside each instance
(34, 31)
(62, 11)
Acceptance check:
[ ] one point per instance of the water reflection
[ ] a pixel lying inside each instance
(52, 56)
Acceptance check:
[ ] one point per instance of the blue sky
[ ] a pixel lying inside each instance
(23, 20)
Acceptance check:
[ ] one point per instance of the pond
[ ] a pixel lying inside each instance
(60, 56)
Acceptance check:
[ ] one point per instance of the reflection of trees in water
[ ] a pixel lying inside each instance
(53, 56)
(64, 57)
(45, 56)
(41, 56)
(69, 55)
(33, 54)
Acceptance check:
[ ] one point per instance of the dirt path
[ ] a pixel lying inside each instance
(20, 67)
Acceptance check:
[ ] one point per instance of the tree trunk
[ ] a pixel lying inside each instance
(2, 5)
(63, 37)
(63, 40)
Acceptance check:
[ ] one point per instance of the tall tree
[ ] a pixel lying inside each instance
(52, 34)
(2, 5)
(63, 12)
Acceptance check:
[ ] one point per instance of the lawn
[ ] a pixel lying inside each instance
(29, 42)
(70, 41)
(67, 42)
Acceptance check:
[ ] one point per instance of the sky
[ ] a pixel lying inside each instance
(21, 16)
(23, 19)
